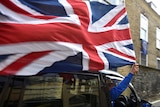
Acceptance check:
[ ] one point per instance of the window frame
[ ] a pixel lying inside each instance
(145, 60)
(157, 38)
(158, 62)
(143, 27)
(143, 36)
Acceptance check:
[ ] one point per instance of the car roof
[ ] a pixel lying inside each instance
(113, 75)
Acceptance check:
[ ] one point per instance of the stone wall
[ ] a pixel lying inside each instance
(147, 83)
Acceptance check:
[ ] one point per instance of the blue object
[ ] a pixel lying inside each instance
(112, 102)
(116, 91)
(146, 105)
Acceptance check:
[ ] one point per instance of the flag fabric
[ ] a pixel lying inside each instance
(144, 47)
(42, 36)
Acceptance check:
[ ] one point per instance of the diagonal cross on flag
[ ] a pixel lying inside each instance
(47, 36)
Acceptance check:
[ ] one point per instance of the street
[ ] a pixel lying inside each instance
(156, 103)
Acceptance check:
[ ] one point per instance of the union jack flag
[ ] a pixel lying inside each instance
(42, 36)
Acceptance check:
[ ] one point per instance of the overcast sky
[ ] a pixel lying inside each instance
(157, 4)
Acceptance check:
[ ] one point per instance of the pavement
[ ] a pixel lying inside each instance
(155, 101)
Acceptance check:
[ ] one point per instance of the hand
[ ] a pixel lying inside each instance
(135, 69)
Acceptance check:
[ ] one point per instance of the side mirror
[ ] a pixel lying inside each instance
(145, 103)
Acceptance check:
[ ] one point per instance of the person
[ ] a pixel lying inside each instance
(116, 91)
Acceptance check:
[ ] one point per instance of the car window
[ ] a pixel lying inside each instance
(54, 90)
(127, 98)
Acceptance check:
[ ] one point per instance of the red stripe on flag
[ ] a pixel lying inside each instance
(58, 32)
(22, 62)
(17, 9)
(111, 36)
(14, 7)
(95, 62)
(121, 54)
(116, 17)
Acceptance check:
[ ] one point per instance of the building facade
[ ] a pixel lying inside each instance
(145, 29)
(144, 22)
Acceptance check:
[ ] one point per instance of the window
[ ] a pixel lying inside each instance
(128, 97)
(158, 63)
(144, 59)
(143, 28)
(52, 90)
(11, 96)
(143, 33)
(158, 38)
(144, 39)
(60, 91)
